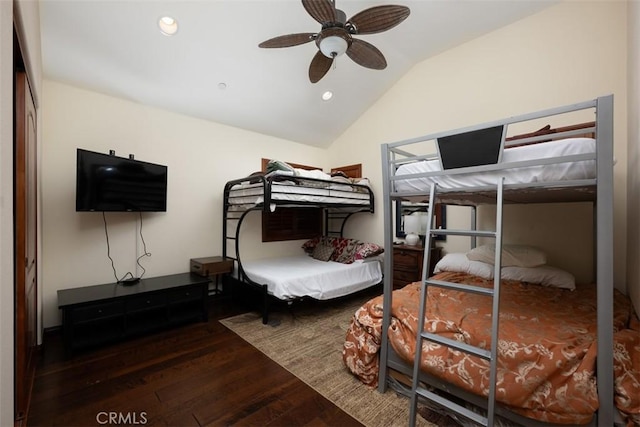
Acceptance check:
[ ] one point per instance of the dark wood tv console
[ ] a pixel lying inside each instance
(96, 315)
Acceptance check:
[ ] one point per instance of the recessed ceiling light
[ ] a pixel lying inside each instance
(168, 25)
(327, 95)
(222, 86)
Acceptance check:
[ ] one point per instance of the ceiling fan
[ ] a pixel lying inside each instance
(336, 35)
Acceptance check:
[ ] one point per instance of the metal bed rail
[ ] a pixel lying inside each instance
(598, 190)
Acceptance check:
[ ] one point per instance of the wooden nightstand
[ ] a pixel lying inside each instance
(214, 266)
(407, 263)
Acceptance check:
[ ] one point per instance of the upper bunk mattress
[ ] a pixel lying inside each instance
(303, 186)
(524, 175)
(252, 194)
(299, 276)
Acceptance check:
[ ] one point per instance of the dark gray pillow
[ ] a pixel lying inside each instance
(322, 252)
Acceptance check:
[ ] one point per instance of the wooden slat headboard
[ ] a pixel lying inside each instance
(548, 130)
(352, 171)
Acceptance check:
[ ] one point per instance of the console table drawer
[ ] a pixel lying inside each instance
(97, 311)
(146, 302)
(190, 293)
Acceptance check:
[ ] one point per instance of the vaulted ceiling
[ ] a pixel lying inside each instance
(213, 69)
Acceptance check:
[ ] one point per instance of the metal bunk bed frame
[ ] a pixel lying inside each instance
(335, 219)
(598, 190)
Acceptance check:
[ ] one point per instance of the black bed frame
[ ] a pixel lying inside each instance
(335, 216)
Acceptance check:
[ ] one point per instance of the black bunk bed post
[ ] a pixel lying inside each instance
(238, 216)
(604, 243)
(265, 304)
(225, 213)
(387, 267)
(228, 216)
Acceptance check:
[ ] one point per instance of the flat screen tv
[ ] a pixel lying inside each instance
(108, 183)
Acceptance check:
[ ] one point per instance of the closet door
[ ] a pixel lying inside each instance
(25, 204)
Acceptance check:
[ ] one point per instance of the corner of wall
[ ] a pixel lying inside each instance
(633, 153)
(6, 213)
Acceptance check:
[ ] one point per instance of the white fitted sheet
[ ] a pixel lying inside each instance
(299, 276)
(525, 175)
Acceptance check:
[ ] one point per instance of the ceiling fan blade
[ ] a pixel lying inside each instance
(288, 40)
(320, 64)
(377, 19)
(366, 54)
(323, 11)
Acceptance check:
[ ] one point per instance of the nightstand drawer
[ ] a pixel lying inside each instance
(211, 266)
(407, 265)
(407, 260)
(406, 276)
(397, 284)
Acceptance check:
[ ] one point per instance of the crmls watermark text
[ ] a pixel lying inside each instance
(121, 418)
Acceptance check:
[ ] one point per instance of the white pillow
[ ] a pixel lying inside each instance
(313, 173)
(512, 255)
(459, 263)
(544, 275)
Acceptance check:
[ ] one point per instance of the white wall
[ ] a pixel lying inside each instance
(633, 193)
(568, 53)
(201, 156)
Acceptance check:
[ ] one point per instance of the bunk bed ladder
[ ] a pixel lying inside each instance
(418, 389)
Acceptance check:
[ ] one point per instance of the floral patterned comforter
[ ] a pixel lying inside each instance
(547, 347)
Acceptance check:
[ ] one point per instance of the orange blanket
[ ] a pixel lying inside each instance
(547, 346)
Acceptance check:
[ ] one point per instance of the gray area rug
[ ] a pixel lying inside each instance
(308, 343)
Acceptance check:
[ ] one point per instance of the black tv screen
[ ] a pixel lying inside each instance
(115, 184)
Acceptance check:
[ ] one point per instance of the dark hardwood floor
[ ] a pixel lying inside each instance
(200, 374)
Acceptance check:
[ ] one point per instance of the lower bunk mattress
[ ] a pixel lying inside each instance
(547, 348)
(303, 276)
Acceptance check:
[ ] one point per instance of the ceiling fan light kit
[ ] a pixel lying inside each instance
(335, 37)
(333, 46)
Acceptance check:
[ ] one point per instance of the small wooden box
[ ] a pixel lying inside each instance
(211, 266)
